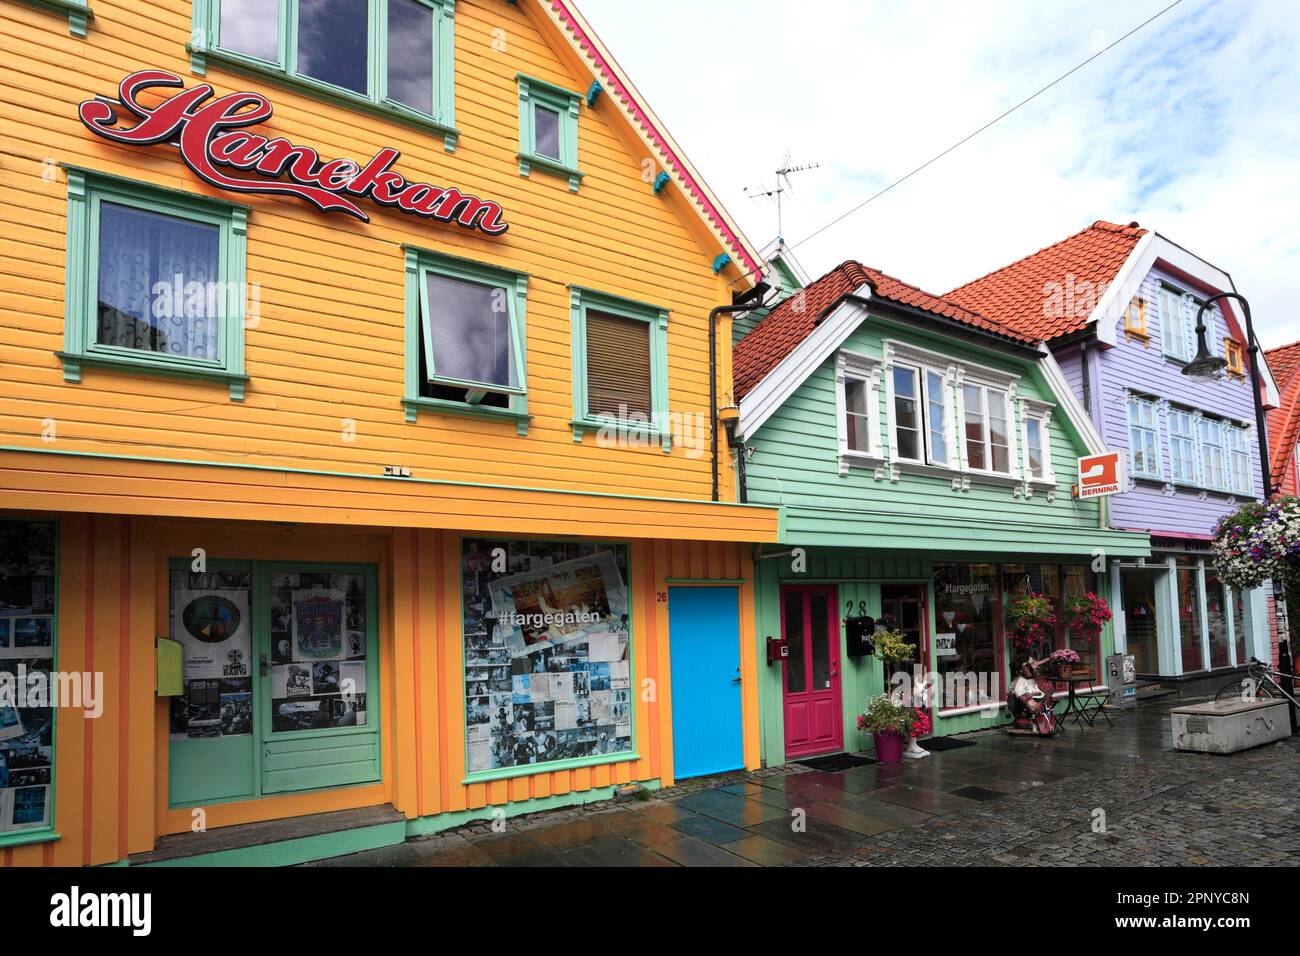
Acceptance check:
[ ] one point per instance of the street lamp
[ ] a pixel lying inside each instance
(1206, 365)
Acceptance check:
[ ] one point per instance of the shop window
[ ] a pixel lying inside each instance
(1214, 472)
(1079, 581)
(547, 659)
(1187, 576)
(858, 405)
(988, 437)
(1184, 457)
(1241, 625)
(1240, 477)
(465, 339)
(155, 282)
(620, 375)
(548, 130)
(28, 650)
(396, 55)
(1144, 437)
(1216, 610)
(968, 636)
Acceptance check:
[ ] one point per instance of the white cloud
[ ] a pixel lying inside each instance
(1188, 127)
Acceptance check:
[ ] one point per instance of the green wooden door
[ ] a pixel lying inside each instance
(280, 666)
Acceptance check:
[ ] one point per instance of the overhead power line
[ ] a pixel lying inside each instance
(997, 119)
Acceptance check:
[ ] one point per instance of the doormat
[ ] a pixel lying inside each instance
(945, 743)
(835, 763)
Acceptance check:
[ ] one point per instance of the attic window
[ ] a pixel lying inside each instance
(548, 130)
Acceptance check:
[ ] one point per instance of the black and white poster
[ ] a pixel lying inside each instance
(547, 658)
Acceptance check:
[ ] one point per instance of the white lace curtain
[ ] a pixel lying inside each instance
(159, 288)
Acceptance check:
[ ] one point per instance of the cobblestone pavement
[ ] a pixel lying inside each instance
(1103, 796)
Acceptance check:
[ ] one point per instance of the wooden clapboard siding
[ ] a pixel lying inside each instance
(796, 465)
(328, 345)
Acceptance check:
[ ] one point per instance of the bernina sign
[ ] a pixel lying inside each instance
(1100, 476)
(212, 135)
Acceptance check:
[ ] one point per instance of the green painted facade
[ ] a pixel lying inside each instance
(862, 527)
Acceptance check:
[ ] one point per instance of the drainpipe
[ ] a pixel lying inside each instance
(1087, 378)
(744, 303)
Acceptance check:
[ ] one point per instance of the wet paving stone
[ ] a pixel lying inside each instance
(710, 830)
(688, 851)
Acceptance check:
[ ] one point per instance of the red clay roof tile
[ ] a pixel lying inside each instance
(1018, 294)
(780, 333)
(1284, 421)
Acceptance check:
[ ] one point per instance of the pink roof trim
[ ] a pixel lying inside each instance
(610, 81)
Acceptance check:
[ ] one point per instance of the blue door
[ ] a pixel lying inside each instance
(704, 643)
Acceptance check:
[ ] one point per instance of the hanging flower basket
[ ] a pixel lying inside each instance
(1087, 614)
(1030, 620)
(1258, 542)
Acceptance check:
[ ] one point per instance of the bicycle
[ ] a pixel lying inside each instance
(1257, 685)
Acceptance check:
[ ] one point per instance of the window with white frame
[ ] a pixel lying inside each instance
(908, 424)
(1173, 324)
(1144, 437)
(1239, 471)
(1214, 472)
(858, 408)
(937, 424)
(988, 437)
(920, 410)
(1037, 419)
(1183, 458)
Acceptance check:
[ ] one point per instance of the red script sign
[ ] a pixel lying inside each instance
(213, 135)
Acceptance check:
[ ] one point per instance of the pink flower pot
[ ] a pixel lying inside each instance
(889, 747)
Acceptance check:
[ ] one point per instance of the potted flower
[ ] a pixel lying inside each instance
(890, 725)
(1087, 614)
(1064, 661)
(1031, 620)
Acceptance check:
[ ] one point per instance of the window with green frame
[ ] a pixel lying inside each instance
(620, 366)
(548, 129)
(155, 281)
(78, 13)
(465, 339)
(396, 56)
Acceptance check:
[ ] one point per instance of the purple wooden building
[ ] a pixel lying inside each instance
(1117, 305)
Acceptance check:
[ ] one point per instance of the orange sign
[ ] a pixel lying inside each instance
(1100, 475)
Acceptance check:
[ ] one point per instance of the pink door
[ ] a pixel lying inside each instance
(810, 625)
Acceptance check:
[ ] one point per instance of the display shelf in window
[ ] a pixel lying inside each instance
(548, 130)
(620, 368)
(155, 282)
(465, 339)
(392, 57)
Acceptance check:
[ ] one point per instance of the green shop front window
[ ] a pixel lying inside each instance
(547, 656)
(279, 679)
(28, 650)
(155, 282)
(967, 642)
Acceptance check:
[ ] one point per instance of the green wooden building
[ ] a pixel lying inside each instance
(923, 458)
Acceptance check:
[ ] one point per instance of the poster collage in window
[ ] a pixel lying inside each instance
(318, 651)
(211, 620)
(547, 663)
(27, 643)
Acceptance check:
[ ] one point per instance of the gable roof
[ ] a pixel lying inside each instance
(1284, 420)
(781, 332)
(1015, 293)
(651, 131)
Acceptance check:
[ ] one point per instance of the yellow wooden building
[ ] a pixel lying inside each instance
(356, 438)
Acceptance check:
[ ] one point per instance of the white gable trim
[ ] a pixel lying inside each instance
(1113, 303)
(779, 384)
(777, 249)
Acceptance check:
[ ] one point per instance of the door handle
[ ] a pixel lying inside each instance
(737, 678)
(261, 664)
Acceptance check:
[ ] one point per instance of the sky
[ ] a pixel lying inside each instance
(1190, 127)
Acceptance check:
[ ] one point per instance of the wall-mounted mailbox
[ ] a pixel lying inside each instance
(777, 650)
(858, 631)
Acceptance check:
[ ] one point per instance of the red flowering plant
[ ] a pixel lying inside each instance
(921, 725)
(1087, 614)
(1030, 619)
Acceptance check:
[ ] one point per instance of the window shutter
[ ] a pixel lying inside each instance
(618, 366)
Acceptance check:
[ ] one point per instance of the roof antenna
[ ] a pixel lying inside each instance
(783, 185)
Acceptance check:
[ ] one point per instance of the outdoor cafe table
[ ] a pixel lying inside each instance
(1084, 708)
